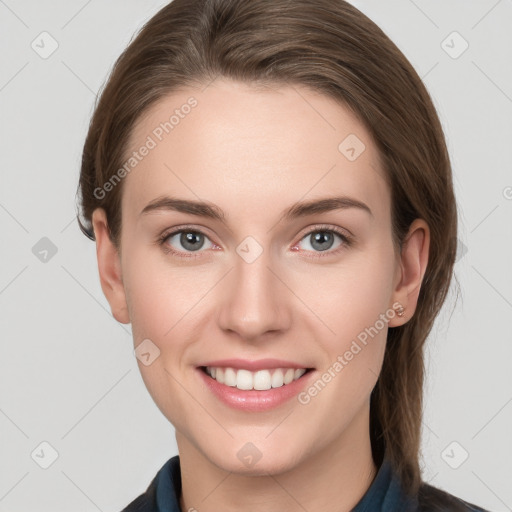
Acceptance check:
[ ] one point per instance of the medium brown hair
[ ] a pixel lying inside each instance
(330, 47)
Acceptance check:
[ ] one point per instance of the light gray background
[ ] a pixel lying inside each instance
(68, 375)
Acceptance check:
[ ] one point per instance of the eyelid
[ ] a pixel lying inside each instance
(178, 229)
(185, 227)
(346, 236)
(345, 233)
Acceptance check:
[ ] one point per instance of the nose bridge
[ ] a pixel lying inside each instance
(254, 299)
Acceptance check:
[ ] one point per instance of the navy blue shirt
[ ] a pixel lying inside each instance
(385, 494)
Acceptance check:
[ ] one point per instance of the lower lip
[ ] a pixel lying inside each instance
(254, 400)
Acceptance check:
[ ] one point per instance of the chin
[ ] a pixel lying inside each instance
(249, 460)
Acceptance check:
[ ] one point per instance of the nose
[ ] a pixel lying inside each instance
(254, 300)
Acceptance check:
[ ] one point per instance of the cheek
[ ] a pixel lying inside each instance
(352, 302)
(166, 303)
(161, 300)
(160, 296)
(349, 296)
(354, 305)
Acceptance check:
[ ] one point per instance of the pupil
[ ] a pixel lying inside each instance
(191, 240)
(320, 238)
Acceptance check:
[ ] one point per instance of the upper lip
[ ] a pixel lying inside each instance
(260, 364)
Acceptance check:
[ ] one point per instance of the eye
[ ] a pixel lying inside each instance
(185, 241)
(322, 239)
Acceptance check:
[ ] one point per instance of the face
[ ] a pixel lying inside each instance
(241, 279)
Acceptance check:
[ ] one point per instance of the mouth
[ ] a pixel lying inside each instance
(260, 380)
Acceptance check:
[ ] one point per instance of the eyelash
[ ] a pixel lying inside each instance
(346, 239)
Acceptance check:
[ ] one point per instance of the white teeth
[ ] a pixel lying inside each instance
(288, 376)
(243, 379)
(277, 379)
(230, 377)
(260, 380)
(299, 373)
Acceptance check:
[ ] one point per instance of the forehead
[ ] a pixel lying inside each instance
(237, 145)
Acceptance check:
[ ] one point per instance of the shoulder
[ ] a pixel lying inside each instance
(432, 499)
(145, 502)
(164, 488)
(163, 491)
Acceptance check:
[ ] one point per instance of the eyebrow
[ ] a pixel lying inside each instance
(212, 211)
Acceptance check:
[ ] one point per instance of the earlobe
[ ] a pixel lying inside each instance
(413, 264)
(109, 267)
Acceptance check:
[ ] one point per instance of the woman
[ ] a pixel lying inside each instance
(232, 141)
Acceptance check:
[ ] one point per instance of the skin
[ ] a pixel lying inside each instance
(253, 153)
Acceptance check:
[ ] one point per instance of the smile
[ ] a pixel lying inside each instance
(258, 380)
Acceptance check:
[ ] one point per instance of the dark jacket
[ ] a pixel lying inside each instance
(385, 494)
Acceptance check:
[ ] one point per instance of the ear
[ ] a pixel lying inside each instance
(412, 266)
(109, 267)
